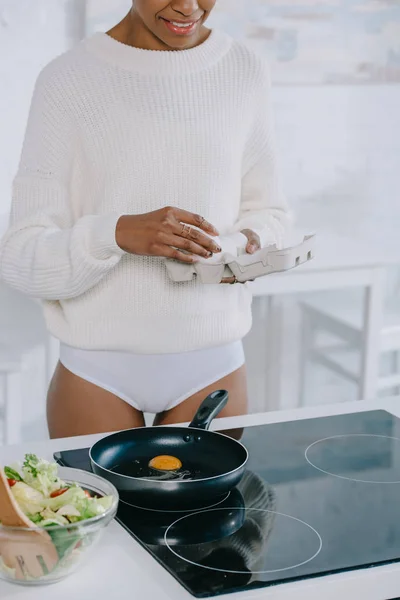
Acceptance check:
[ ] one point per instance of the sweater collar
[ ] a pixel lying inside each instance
(160, 62)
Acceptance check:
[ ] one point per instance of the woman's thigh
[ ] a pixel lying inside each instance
(235, 384)
(77, 407)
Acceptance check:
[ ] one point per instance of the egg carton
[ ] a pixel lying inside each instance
(245, 267)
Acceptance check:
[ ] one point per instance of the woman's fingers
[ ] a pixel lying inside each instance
(186, 232)
(168, 252)
(184, 216)
(185, 244)
(254, 242)
(189, 226)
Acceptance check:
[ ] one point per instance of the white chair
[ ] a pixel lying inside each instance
(333, 318)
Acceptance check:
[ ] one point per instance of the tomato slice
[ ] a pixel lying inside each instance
(11, 482)
(57, 493)
(88, 494)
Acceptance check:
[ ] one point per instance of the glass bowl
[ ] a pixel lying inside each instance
(73, 542)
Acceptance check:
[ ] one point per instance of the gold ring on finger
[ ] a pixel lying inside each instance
(186, 230)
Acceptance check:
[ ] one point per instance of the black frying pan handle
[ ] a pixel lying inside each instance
(209, 409)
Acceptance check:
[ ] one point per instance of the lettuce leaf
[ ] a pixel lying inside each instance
(41, 474)
(30, 501)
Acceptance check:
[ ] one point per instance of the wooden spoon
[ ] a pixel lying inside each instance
(31, 553)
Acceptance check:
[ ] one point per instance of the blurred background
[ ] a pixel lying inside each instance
(329, 332)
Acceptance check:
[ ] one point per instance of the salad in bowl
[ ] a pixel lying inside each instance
(73, 506)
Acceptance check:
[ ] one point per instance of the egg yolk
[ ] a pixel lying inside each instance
(165, 463)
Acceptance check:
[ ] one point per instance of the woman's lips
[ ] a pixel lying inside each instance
(181, 28)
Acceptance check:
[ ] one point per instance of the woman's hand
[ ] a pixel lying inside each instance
(167, 233)
(253, 244)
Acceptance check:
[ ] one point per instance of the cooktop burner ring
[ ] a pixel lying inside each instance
(197, 509)
(350, 435)
(232, 572)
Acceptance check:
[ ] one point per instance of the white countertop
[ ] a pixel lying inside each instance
(120, 568)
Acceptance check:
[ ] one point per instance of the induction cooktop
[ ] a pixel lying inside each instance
(319, 496)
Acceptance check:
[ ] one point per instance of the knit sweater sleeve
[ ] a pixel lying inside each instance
(263, 208)
(46, 252)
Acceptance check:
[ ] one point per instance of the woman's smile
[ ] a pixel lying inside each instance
(182, 27)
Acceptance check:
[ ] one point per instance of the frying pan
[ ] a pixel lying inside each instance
(214, 463)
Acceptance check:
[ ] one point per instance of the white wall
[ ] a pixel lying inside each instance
(340, 154)
(32, 32)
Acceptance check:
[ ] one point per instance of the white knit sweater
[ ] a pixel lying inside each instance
(116, 130)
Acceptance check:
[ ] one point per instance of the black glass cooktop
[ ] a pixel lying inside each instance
(319, 496)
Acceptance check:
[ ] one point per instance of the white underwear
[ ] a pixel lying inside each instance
(153, 383)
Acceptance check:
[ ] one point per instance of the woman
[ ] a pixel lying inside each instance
(143, 143)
